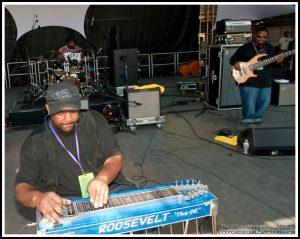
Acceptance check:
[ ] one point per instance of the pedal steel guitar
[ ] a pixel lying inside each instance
(135, 210)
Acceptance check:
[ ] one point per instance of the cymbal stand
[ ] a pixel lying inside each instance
(43, 68)
(94, 61)
(30, 68)
(32, 89)
(47, 75)
(86, 69)
(96, 69)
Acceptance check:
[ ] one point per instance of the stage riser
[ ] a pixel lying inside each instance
(26, 113)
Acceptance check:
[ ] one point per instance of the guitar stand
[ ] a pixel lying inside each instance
(206, 106)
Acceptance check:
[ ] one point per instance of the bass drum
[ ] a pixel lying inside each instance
(71, 79)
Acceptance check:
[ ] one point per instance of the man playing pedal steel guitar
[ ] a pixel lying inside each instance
(255, 93)
(73, 154)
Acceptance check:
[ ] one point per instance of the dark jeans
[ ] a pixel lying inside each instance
(255, 101)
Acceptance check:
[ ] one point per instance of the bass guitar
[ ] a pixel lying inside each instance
(247, 68)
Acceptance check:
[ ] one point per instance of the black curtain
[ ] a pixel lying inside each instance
(150, 28)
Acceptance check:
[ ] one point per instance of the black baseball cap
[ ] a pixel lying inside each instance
(62, 96)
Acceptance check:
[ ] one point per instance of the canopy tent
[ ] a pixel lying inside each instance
(253, 11)
(29, 17)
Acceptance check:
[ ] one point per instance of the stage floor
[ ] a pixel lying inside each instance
(251, 190)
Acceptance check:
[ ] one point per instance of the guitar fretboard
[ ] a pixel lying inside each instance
(86, 206)
(270, 60)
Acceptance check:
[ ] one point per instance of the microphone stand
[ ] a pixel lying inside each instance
(28, 89)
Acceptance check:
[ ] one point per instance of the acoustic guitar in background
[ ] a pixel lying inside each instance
(191, 68)
(247, 68)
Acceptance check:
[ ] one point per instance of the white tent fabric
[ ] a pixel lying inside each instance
(25, 16)
(253, 12)
(72, 15)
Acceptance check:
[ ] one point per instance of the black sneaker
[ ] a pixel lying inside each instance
(248, 124)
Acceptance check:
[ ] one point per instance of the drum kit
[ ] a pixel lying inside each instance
(77, 68)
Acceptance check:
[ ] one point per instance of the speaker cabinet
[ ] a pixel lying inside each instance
(141, 103)
(125, 69)
(222, 90)
(115, 38)
(269, 141)
(283, 94)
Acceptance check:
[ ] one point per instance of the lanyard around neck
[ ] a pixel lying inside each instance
(256, 50)
(62, 144)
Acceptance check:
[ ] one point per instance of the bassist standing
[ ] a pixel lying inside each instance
(254, 85)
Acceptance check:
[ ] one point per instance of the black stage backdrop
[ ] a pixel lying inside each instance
(149, 28)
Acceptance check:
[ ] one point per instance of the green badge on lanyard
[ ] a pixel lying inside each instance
(84, 180)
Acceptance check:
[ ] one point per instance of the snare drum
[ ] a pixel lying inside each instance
(71, 79)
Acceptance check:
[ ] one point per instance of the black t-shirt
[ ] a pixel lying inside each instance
(69, 170)
(245, 53)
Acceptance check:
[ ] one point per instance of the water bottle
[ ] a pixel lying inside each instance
(246, 147)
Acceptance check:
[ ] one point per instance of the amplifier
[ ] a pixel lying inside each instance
(142, 107)
(233, 26)
(237, 38)
(283, 94)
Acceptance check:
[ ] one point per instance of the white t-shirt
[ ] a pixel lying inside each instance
(284, 42)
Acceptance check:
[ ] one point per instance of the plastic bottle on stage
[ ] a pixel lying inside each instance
(246, 147)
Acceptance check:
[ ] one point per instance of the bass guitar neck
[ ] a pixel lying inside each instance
(247, 68)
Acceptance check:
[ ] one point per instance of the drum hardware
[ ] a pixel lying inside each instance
(86, 90)
(87, 66)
